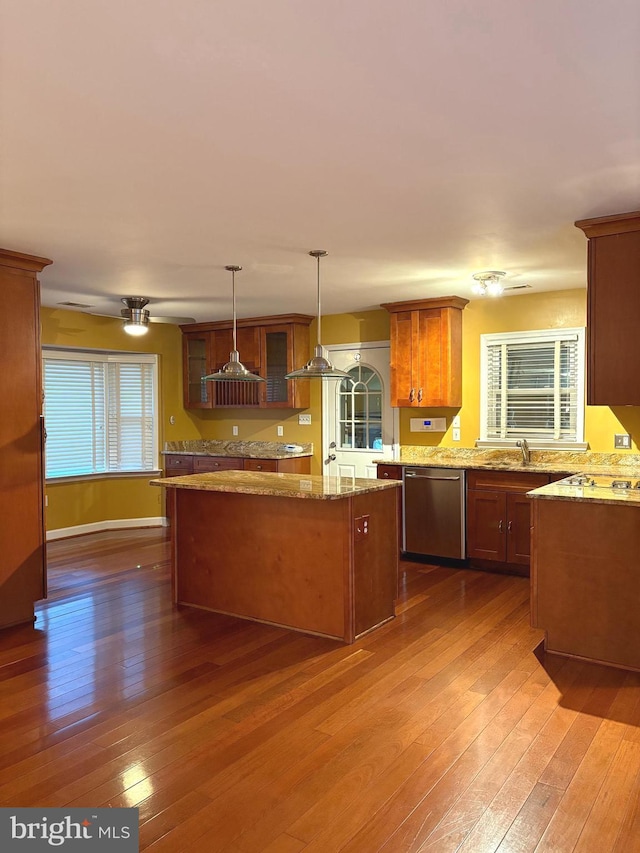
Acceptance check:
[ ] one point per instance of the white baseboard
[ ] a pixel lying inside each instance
(100, 526)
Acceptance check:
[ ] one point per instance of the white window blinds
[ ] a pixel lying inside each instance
(100, 412)
(533, 386)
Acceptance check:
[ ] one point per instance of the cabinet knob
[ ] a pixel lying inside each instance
(258, 467)
(412, 395)
(419, 395)
(509, 527)
(500, 526)
(386, 474)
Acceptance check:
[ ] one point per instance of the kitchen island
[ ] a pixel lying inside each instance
(314, 554)
(585, 573)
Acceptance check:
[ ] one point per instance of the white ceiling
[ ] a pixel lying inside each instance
(147, 143)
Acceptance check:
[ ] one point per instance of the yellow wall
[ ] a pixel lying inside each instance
(81, 503)
(89, 501)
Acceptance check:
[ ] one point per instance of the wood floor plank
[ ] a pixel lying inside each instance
(445, 730)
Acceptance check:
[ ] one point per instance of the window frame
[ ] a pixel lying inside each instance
(106, 357)
(542, 336)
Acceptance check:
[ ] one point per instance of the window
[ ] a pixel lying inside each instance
(360, 409)
(532, 386)
(100, 412)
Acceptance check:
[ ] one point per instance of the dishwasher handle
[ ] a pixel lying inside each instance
(425, 477)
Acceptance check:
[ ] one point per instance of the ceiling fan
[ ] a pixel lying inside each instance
(135, 315)
(489, 283)
(137, 318)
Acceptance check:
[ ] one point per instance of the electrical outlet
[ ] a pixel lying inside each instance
(456, 434)
(234, 430)
(361, 527)
(304, 420)
(280, 431)
(622, 441)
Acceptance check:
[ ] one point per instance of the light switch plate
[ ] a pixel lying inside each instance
(622, 440)
(234, 430)
(304, 419)
(280, 430)
(456, 435)
(455, 423)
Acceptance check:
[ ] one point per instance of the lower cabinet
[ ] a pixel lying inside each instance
(499, 518)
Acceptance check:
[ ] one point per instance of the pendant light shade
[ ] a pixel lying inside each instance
(234, 370)
(318, 367)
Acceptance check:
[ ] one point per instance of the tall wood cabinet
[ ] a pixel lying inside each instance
(22, 536)
(268, 346)
(426, 352)
(613, 308)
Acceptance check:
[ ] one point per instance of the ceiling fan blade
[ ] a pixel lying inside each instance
(178, 321)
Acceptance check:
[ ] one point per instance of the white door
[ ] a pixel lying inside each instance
(359, 424)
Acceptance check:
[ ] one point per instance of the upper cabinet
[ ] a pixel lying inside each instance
(613, 307)
(426, 352)
(268, 346)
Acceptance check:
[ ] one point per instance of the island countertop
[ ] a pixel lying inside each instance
(277, 485)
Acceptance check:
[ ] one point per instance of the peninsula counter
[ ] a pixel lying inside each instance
(314, 554)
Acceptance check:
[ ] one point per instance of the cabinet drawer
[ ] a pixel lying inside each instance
(202, 464)
(260, 464)
(508, 481)
(178, 464)
(389, 472)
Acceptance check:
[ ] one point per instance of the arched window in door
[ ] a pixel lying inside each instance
(360, 410)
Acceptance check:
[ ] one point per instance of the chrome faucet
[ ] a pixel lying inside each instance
(523, 444)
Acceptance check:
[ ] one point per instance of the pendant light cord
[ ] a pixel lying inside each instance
(318, 335)
(233, 308)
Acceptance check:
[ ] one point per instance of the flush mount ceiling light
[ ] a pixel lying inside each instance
(136, 317)
(234, 369)
(318, 367)
(488, 283)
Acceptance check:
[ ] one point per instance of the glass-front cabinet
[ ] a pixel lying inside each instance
(196, 356)
(269, 346)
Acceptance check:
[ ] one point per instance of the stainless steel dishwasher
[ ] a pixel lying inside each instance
(434, 512)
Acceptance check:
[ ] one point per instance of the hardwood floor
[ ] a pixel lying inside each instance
(445, 730)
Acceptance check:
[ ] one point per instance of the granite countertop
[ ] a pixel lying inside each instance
(592, 494)
(277, 485)
(542, 461)
(243, 449)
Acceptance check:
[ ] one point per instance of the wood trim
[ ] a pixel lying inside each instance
(602, 226)
(422, 304)
(241, 322)
(20, 261)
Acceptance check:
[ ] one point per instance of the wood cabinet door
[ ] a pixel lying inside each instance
(613, 305)
(276, 359)
(518, 529)
(196, 364)
(439, 370)
(404, 337)
(486, 525)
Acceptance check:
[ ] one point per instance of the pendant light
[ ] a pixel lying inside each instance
(234, 369)
(318, 367)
